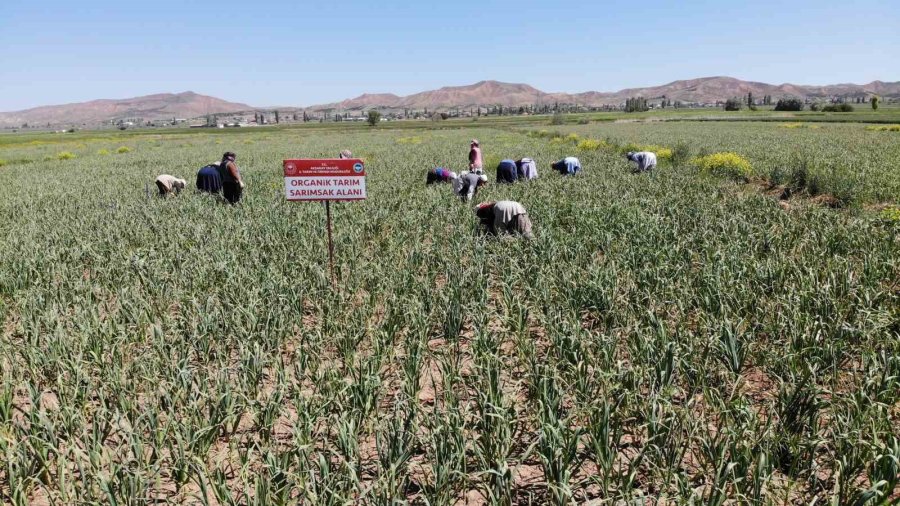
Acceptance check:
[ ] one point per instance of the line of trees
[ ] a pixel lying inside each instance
(789, 104)
(636, 104)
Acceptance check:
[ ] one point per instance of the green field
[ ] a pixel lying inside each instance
(679, 336)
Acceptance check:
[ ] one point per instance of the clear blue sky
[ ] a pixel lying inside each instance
(300, 53)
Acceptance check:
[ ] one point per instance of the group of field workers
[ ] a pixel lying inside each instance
(217, 178)
(501, 217)
(507, 216)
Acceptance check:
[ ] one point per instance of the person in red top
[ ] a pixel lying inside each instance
(476, 163)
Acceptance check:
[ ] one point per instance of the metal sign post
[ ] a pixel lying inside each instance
(325, 180)
(330, 242)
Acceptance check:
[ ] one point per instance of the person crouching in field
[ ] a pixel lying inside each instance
(568, 166)
(507, 172)
(232, 182)
(467, 184)
(169, 184)
(439, 175)
(345, 154)
(209, 180)
(505, 217)
(526, 169)
(645, 161)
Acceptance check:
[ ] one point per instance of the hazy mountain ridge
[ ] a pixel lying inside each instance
(701, 90)
(484, 93)
(150, 107)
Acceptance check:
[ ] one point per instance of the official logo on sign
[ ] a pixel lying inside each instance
(290, 169)
(357, 167)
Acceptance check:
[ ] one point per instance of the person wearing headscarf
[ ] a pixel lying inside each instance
(232, 182)
(526, 169)
(345, 154)
(568, 166)
(644, 160)
(439, 175)
(169, 184)
(507, 172)
(505, 217)
(476, 162)
(467, 184)
(209, 180)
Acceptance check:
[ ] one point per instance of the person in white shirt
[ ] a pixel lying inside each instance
(568, 166)
(645, 161)
(169, 184)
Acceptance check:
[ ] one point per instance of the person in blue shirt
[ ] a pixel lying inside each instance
(209, 180)
(439, 175)
(568, 166)
(507, 172)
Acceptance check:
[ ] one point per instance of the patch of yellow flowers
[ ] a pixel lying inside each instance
(883, 128)
(799, 125)
(891, 214)
(726, 164)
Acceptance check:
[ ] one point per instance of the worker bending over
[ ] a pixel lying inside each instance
(505, 217)
(526, 169)
(568, 166)
(209, 180)
(439, 175)
(169, 184)
(645, 161)
(507, 172)
(467, 184)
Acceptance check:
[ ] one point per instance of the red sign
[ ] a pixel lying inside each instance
(325, 179)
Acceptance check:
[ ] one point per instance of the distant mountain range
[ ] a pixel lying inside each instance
(702, 90)
(151, 107)
(189, 105)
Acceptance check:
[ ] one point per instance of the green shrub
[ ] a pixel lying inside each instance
(65, 155)
(731, 165)
(123, 149)
(789, 104)
(103, 152)
(681, 154)
(838, 108)
(733, 104)
(2, 162)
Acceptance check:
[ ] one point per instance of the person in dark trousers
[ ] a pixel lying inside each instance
(232, 183)
(645, 161)
(504, 217)
(506, 172)
(169, 184)
(467, 184)
(568, 166)
(209, 180)
(439, 175)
